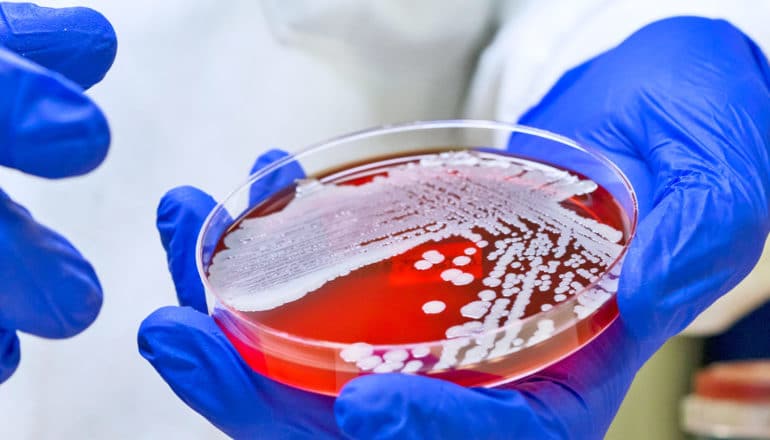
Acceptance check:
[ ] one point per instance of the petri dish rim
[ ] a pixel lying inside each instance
(415, 126)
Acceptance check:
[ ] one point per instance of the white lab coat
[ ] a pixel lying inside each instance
(200, 88)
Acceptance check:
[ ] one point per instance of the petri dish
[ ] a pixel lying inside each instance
(730, 400)
(477, 252)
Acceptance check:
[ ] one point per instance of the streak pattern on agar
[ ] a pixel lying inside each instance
(538, 247)
(462, 188)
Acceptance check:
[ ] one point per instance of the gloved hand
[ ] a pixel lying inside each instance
(683, 107)
(48, 128)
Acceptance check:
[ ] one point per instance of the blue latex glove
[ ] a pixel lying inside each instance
(48, 128)
(683, 107)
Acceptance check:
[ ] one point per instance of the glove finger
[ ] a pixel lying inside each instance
(48, 288)
(692, 247)
(50, 128)
(572, 399)
(201, 366)
(78, 43)
(181, 214)
(579, 396)
(389, 406)
(285, 175)
(9, 353)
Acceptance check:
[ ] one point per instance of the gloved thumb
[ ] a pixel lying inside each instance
(684, 257)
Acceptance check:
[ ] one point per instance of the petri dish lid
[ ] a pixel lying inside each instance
(519, 346)
(730, 400)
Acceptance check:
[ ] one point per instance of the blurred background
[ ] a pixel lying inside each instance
(201, 88)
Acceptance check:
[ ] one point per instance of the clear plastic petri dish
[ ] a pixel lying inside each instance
(730, 401)
(477, 252)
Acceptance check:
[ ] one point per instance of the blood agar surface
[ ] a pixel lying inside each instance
(469, 266)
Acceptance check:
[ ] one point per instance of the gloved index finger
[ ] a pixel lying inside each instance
(78, 43)
(285, 175)
(181, 213)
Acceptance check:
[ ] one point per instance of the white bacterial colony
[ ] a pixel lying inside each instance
(468, 343)
(537, 247)
(433, 307)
